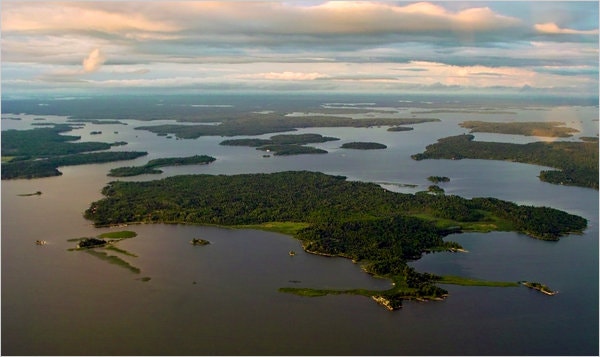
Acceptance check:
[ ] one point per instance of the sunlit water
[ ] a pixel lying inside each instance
(223, 298)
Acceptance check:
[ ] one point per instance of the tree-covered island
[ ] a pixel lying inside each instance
(273, 123)
(284, 144)
(39, 152)
(152, 166)
(379, 229)
(438, 179)
(577, 161)
(360, 145)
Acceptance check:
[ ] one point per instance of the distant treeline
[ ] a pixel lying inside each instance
(257, 124)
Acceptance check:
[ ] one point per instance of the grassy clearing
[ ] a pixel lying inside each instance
(458, 280)
(289, 228)
(118, 235)
(488, 224)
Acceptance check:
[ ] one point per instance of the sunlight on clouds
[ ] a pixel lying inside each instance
(552, 28)
(93, 61)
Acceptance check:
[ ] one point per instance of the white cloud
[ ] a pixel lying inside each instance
(93, 61)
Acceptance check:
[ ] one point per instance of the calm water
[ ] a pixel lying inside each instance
(223, 298)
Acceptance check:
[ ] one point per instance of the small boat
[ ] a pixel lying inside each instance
(292, 253)
(41, 242)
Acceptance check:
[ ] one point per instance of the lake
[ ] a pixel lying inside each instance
(223, 298)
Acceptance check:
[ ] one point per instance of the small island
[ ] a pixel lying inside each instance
(539, 287)
(363, 146)
(91, 243)
(284, 144)
(400, 128)
(199, 241)
(438, 179)
(152, 165)
(36, 193)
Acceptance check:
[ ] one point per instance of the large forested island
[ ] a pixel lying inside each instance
(152, 166)
(381, 230)
(273, 123)
(39, 152)
(577, 161)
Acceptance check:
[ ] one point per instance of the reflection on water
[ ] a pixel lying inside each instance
(222, 298)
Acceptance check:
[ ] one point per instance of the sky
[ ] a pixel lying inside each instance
(100, 47)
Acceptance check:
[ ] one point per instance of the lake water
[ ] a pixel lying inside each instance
(223, 299)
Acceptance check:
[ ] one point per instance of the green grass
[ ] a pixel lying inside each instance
(289, 228)
(458, 280)
(488, 224)
(118, 235)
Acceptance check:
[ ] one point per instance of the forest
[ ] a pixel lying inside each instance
(577, 161)
(380, 229)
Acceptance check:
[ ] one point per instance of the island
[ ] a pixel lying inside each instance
(363, 146)
(539, 287)
(577, 162)
(284, 144)
(379, 229)
(97, 247)
(199, 241)
(151, 166)
(400, 128)
(546, 129)
(36, 193)
(39, 152)
(438, 179)
(259, 124)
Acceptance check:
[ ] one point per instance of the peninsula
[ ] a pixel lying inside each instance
(546, 129)
(577, 162)
(152, 165)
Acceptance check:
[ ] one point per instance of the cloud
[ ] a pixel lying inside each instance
(93, 61)
(284, 76)
(552, 28)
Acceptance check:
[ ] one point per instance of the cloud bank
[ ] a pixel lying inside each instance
(338, 45)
